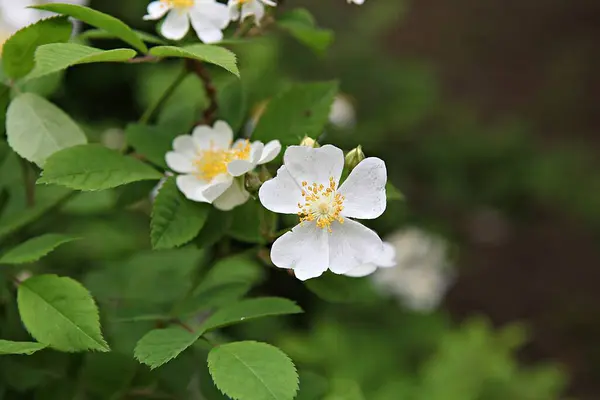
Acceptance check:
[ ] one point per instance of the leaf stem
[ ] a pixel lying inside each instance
(198, 68)
(154, 107)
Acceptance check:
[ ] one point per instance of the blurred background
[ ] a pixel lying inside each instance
(486, 115)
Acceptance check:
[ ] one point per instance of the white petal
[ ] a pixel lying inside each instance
(314, 165)
(176, 25)
(235, 196)
(216, 13)
(303, 249)
(206, 31)
(185, 145)
(365, 190)
(281, 194)
(156, 10)
(219, 137)
(387, 258)
(362, 270)
(179, 162)
(270, 3)
(256, 151)
(191, 187)
(352, 244)
(234, 10)
(255, 8)
(239, 167)
(217, 187)
(270, 151)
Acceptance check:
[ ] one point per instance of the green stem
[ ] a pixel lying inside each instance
(154, 107)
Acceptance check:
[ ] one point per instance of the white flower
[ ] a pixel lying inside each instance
(208, 18)
(16, 14)
(326, 238)
(386, 259)
(342, 114)
(246, 8)
(422, 274)
(359, 2)
(210, 164)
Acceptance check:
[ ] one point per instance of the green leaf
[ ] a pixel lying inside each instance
(175, 219)
(392, 193)
(342, 289)
(56, 57)
(162, 345)
(215, 228)
(9, 347)
(18, 51)
(253, 371)
(98, 20)
(34, 249)
(94, 167)
(152, 142)
(37, 129)
(252, 223)
(101, 34)
(203, 52)
(301, 25)
(250, 309)
(61, 313)
(4, 101)
(301, 110)
(232, 98)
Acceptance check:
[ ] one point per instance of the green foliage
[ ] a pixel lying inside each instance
(9, 347)
(202, 52)
(302, 110)
(99, 20)
(253, 371)
(175, 219)
(19, 49)
(34, 249)
(152, 142)
(392, 193)
(51, 58)
(302, 25)
(160, 346)
(93, 167)
(37, 129)
(342, 289)
(70, 318)
(101, 34)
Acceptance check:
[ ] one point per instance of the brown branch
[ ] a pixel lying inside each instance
(210, 114)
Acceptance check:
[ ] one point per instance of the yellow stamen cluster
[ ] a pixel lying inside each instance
(213, 162)
(179, 3)
(321, 204)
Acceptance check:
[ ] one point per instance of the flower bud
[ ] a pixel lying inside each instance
(252, 182)
(354, 157)
(310, 142)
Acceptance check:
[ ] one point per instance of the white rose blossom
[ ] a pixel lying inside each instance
(16, 14)
(246, 8)
(211, 164)
(208, 18)
(342, 114)
(326, 237)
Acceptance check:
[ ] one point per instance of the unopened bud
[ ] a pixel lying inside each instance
(252, 182)
(310, 142)
(354, 157)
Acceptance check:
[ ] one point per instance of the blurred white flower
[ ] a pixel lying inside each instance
(326, 237)
(16, 14)
(113, 138)
(359, 2)
(210, 164)
(342, 114)
(246, 8)
(422, 273)
(208, 18)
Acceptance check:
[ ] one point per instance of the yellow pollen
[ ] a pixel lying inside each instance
(179, 3)
(321, 204)
(213, 162)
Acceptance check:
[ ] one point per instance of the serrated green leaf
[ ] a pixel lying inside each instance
(34, 249)
(152, 142)
(253, 371)
(302, 110)
(249, 309)
(301, 25)
(162, 345)
(10, 347)
(18, 51)
(203, 52)
(56, 57)
(94, 167)
(37, 129)
(61, 313)
(175, 219)
(98, 20)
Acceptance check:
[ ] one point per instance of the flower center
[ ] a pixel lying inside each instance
(179, 3)
(213, 162)
(321, 204)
